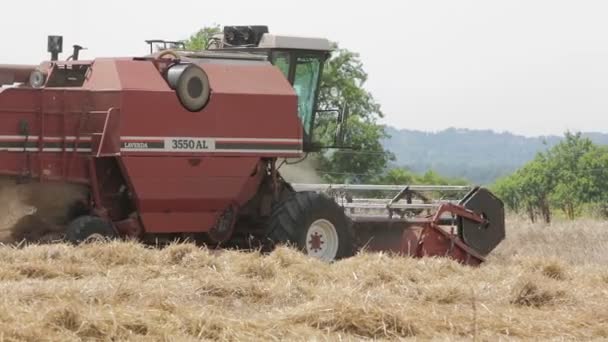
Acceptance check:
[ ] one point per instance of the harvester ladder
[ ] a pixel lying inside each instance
(103, 135)
(82, 117)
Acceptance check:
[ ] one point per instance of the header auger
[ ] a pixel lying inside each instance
(185, 144)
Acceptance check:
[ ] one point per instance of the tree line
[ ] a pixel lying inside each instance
(571, 177)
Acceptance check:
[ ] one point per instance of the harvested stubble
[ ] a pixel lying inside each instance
(543, 283)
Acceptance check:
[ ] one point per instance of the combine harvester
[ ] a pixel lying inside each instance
(188, 144)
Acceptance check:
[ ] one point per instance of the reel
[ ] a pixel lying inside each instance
(482, 237)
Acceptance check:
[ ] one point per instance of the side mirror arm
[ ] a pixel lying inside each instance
(342, 126)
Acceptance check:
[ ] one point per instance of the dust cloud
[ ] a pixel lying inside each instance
(12, 207)
(35, 212)
(303, 172)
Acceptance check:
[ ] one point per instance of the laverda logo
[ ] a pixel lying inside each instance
(135, 145)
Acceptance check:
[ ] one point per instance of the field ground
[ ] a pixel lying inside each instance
(543, 283)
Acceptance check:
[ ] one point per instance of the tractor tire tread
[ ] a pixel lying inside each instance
(289, 218)
(84, 226)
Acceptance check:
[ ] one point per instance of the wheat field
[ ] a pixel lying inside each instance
(543, 283)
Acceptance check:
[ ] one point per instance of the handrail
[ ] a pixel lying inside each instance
(103, 133)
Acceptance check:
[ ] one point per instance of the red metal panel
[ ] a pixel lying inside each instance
(188, 189)
(434, 242)
(248, 80)
(19, 99)
(188, 222)
(246, 102)
(229, 116)
(15, 164)
(140, 75)
(50, 149)
(103, 76)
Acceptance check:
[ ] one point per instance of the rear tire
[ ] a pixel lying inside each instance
(89, 229)
(313, 223)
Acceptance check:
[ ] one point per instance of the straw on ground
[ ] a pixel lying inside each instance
(544, 282)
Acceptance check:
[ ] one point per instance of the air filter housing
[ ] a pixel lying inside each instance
(191, 85)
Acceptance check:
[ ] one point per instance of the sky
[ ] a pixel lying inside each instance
(531, 67)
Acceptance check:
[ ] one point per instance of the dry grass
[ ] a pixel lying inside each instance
(543, 283)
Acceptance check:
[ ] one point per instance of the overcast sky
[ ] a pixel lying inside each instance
(527, 66)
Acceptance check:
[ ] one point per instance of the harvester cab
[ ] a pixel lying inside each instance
(301, 60)
(188, 145)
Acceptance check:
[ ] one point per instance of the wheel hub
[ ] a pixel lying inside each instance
(95, 238)
(316, 242)
(322, 240)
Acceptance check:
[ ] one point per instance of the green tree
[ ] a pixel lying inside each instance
(569, 176)
(407, 177)
(563, 161)
(594, 185)
(399, 176)
(200, 40)
(509, 190)
(343, 84)
(433, 178)
(535, 184)
(529, 189)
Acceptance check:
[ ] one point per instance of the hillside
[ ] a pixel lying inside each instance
(480, 156)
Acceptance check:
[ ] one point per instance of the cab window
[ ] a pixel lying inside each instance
(282, 61)
(305, 84)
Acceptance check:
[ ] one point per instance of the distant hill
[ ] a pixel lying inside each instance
(480, 156)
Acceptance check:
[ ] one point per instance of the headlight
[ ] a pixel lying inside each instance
(37, 79)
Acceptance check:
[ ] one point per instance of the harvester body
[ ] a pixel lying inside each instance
(186, 144)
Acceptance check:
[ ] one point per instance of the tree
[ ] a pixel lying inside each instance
(569, 176)
(509, 190)
(343, 81)
(404, 176)
(399, 176)
(343, 84)
(200, 40)
(535, 184)
(529, 189)
(563, 161)
(594, 165)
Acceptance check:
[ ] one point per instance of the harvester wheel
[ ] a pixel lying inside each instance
(315, 224)
(89, 229)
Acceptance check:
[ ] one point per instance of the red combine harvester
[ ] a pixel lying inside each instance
(188, 144)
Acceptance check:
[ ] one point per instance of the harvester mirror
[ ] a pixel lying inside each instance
(327, 118)
(191, 84)
(342, 126)
(55, 46)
